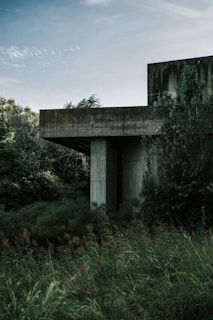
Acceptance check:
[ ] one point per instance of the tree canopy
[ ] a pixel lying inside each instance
(32, 169)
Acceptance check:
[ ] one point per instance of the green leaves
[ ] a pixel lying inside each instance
(185, 160)
(32, 169)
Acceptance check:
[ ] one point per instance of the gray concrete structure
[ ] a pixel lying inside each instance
(165, 76)
(113, 136)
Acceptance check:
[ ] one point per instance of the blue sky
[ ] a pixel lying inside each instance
(56, 51)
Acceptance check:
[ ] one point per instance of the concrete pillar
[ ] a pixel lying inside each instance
(103, 172)
(134, 164)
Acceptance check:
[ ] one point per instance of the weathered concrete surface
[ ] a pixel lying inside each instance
(165, 76)
(134, 166)
(74, 128)
(117, 169)
(103, 172)
(113, 138)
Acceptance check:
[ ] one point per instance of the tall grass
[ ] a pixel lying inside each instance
(131, 275)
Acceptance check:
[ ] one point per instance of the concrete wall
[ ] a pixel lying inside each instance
(165, 76)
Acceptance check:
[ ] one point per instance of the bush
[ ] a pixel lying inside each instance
(48, 220)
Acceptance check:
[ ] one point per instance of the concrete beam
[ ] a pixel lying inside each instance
(75, 127)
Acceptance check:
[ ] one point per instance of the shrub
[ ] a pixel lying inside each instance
(49, 220)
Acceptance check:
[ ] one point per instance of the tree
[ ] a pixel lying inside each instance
(24, 126)
(12, 169)
(92, 102)
(184, 192)
(46, 170)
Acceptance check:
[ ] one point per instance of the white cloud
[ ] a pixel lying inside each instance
(6, 64)
(97, 2)
(16, 65)
(45, 52)
(19, 10)
(181, 10)
(11, 56)
(44, 64)
(15, 52)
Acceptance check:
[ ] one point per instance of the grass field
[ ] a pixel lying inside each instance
(131, 275)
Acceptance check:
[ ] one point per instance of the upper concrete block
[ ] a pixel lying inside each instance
(67, 126)
(165, 76)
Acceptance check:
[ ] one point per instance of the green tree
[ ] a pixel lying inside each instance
(48, 170)
(24, 127)
(183, 194)
(12, 169)
(91, 102)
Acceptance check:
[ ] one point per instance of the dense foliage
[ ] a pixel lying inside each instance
(33, 169)
(183, 194)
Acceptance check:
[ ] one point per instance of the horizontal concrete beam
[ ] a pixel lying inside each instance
(99, 122)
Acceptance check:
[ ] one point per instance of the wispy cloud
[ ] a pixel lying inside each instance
(181, 10)
(110, 19)
(17, 53)
(97, 2)
(7, 64)
(15, 65)
(44, 64)
(19, 10)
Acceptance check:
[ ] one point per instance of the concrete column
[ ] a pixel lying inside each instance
(103, 172)
(134, 163)
(98, 168)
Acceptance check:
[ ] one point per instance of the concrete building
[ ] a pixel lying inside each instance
(165, 76)
(113, 137)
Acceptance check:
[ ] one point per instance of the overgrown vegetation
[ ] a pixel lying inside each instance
(183, 193)
(131, 275)
(33, 169)
(59, 260)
